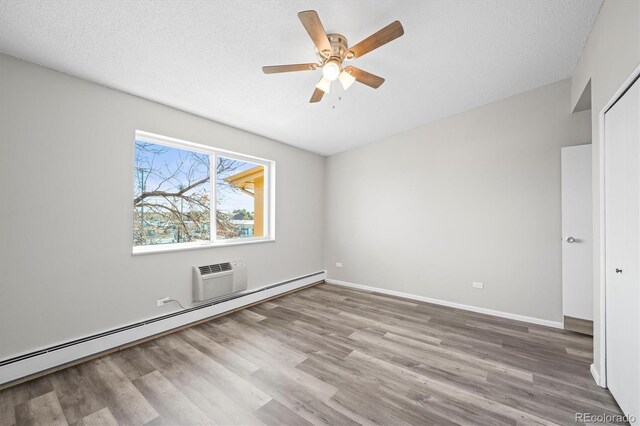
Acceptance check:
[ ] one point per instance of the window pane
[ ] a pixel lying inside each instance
(239, 199)
(171, 195)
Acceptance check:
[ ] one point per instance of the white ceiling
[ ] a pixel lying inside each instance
(205, 57)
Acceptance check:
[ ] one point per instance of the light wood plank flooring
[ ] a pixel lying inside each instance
(328, 355)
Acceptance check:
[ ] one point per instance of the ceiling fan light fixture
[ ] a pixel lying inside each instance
(331, 51)
(324, 84)
(346, 80)
(331, 70)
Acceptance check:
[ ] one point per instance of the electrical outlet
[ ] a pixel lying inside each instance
(477, 285)
(338, 265)
(162, 302)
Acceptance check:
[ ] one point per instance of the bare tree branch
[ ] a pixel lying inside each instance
(165, 194)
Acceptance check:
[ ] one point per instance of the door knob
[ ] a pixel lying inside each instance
(618, 271)
(571, 240)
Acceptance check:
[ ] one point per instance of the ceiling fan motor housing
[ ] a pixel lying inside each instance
(339, 46)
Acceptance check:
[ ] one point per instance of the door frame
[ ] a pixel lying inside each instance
(600, 372)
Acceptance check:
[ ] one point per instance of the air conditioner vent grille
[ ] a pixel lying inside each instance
(212, 269)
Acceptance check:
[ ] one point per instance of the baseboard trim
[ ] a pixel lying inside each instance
(523, 318)
(578, 325)
(69, 353)
(595, 374)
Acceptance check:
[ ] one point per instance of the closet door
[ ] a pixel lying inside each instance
(622, 245)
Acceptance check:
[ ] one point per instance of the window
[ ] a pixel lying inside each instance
(175, 204)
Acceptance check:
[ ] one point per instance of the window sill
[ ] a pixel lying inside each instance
(142, 250)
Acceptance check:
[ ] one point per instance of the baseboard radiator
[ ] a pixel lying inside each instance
(58, 356)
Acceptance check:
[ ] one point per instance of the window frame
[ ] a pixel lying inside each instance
(269, 199)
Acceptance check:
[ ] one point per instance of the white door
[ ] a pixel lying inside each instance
(577, 231)
(622, 246)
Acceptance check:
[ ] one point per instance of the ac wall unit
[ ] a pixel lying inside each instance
(218, 280)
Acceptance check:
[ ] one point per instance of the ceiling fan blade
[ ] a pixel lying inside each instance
(364, 77)
(312, 24)
(317, 96)
(289, 68)
(382, 37)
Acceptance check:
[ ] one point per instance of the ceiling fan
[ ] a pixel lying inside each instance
(332, 50)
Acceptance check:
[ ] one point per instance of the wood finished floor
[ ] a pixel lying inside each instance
(328, 355)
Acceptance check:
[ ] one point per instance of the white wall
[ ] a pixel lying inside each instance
(473, 197)
(611, 54)
(66, 170)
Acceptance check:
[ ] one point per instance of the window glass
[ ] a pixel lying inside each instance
(239, 198)
(171, 195)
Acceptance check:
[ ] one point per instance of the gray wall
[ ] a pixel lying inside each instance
(610, 56)
(473, 197)
(66, 170)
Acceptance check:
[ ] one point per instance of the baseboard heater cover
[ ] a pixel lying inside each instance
(34, 362)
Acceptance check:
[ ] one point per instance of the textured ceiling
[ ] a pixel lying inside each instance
(205, 57)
